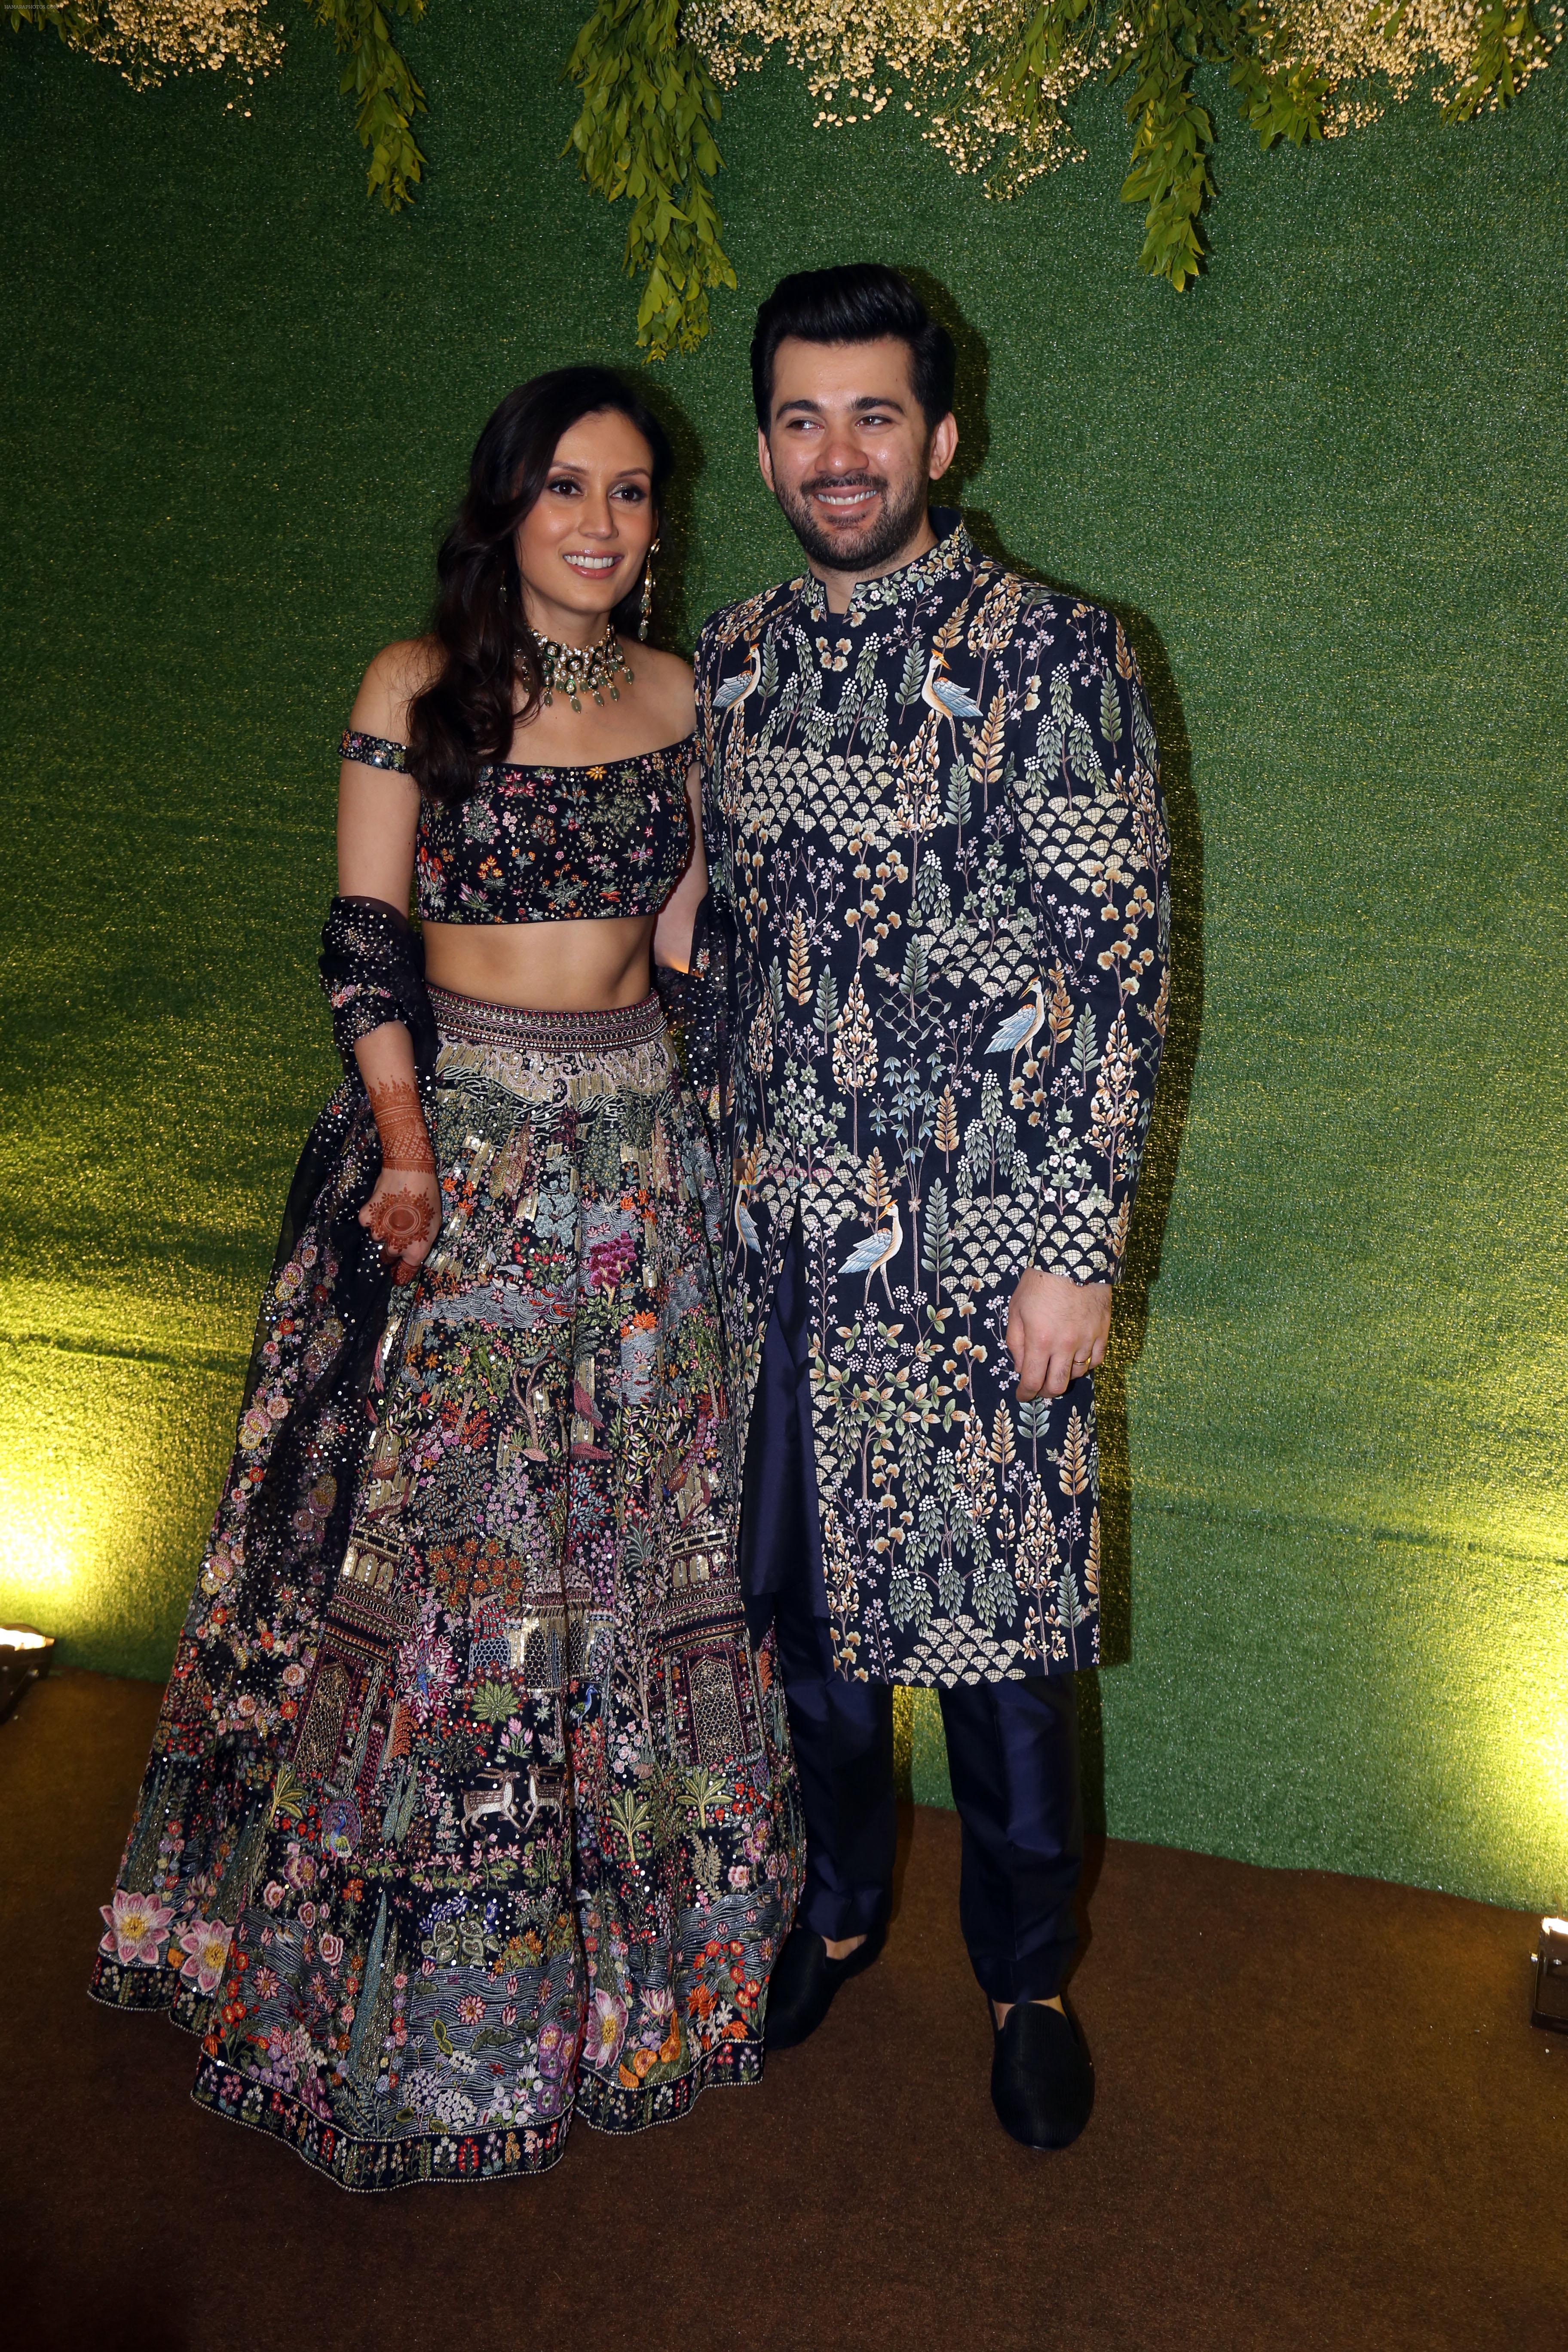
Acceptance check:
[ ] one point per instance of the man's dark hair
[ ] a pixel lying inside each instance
(859, 303)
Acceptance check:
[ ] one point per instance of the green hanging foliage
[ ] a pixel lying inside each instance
(386, 96)
(1173, 133)
(148, 40)
(1509, 49)
(1281, 91)
(993, 81)
(649, 110)
(72, 23)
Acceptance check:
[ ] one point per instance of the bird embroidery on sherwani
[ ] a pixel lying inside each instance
(940, 874)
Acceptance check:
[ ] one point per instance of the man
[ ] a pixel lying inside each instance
(939, 861)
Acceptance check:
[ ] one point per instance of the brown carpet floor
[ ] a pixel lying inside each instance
(1323, 2120)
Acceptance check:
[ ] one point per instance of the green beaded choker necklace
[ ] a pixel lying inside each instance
(573, 670)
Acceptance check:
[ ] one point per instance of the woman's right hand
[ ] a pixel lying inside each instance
(403, 1213)
(377, 815)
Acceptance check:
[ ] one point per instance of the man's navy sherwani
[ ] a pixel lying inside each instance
(937, 845)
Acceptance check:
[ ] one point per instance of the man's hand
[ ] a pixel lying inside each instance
(1057, 1331)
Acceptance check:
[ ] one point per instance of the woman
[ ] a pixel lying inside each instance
(470, 1805)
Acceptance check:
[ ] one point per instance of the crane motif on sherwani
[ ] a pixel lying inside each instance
(940, 872)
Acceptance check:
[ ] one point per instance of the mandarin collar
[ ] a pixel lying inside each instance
(953, 556)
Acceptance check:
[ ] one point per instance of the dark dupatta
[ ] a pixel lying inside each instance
(700, 1007)
(372, 970)
(218, 1775)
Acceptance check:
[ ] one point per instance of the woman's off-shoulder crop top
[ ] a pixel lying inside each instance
(550, 844)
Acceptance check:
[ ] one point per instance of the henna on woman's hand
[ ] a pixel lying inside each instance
(400, 1123)
(401, 1218)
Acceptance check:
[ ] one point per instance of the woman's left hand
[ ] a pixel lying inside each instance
(403, 1213)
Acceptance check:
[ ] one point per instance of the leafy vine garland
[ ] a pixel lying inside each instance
(149, 40)
(992, 80)
(645, 130)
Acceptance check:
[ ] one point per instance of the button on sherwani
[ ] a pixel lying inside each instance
(938, 857)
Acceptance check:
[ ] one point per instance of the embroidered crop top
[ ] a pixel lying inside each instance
(550, 844)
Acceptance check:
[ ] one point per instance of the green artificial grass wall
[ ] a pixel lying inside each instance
(1326, 488)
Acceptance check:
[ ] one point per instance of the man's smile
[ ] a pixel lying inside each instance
(844, 501)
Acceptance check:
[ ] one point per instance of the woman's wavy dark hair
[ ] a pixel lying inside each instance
(466, 717)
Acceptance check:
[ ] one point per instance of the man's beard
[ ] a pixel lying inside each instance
(865, 551)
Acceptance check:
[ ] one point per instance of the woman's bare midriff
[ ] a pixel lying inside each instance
(595, 966)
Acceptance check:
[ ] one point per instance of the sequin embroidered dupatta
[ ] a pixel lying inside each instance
(213, 1784)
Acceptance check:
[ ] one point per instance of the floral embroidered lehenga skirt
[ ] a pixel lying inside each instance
(470, 1805)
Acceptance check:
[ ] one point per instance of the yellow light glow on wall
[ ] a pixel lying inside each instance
(63, 1486)
(1554, 1751)
(1490, 1743)
(109, 1472)
(37, 1553)
(1455, 1767)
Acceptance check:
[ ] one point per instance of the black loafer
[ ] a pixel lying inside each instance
(803, 1982)
(1041, 2082)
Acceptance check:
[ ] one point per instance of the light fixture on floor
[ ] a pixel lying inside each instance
(25, 1655)
(1551, 2008)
